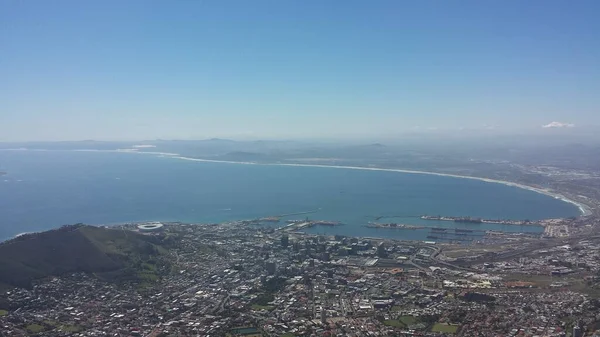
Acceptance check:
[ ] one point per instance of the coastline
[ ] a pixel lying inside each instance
(584, 210)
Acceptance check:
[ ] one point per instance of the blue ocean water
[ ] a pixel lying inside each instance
(46, 189)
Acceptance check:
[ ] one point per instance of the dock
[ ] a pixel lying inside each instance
(296, 213)
(394, 226)
(459, 231)
(471, 220)
(301, 224)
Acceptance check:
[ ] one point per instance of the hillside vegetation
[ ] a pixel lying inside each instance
(111, 253)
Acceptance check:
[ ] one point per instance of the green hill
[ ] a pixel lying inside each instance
(111, 253)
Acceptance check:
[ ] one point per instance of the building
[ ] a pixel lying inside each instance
(150, 227)
(271, 267)
(577, 331)
(381, 251)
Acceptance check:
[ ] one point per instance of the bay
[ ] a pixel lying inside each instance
(46, 189)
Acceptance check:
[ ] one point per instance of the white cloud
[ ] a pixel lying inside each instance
(555, 125)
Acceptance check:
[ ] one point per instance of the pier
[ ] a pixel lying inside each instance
(277, 218)
(301, 224)
(297, 213)
(295, 226)
(471, 220)
(448, 234)
(463, 231)
(394, 226)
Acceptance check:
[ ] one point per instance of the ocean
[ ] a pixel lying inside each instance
(47, 189)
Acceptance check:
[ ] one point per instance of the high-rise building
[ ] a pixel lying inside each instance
(271, 267)
(285, 240)
(577, 331)
(381, 252)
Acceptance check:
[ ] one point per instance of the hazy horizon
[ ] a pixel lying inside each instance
(132, 71)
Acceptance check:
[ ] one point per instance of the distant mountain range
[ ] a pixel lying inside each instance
(424, 154)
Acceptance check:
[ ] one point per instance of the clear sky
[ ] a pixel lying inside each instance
(193, 69)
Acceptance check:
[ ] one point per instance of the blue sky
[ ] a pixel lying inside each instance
(73, 70)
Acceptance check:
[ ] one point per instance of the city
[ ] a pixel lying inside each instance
(300, 168)
(240, 279)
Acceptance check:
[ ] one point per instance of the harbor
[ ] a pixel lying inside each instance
(449, 229)
(296, 225)
(277, 218)
(450, 234)
(393, 226)
(472, 220)
(439, 230)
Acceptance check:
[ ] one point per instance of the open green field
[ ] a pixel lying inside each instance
(3, 313)
(34, 328)
(445, 328)
(402, 322)
(246, 331)
(394, 322)
(261, 307)
(408, 320)
(71, 328)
